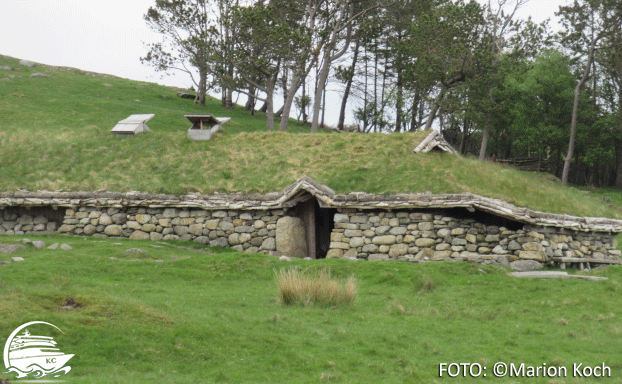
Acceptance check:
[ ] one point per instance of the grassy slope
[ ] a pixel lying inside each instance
(215, 318)
(55, 134)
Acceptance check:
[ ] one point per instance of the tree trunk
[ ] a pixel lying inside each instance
(328, 60)
(575, 113)
(399, 102)
(270, 84)
(250, 103)
(297, 80)
(319, 92)
(202, 88)
(346, 93)
(618, 146)
(229, 99)
(486, 135)
(435, 106)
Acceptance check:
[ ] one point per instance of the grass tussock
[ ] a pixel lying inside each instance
(424, 284)
(319, 288)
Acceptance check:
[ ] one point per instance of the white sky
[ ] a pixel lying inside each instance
(109, 36)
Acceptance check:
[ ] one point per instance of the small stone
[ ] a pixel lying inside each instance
(39, 220)
(341, 218)
(499, 250)
(339, 245)
(38, 244)
(27, 63)
(202, 239)
(492, 239)
(119, 218)
(531, 255)
(398, 231)
(105, 219)
(525, 265)
(443, 232)
(284, 258)
(424, 242)
(53, 246)
(357, 242)
(471, 238)
(443, 247)
(441, 255)
(382, 230)
(113, 230)
(269, 244)
(353, 233)
(426, 226)
(134, 250)
(155, 236)
(397, 250)
(89, 229)
(139, 235)
(143, 218)
(26, 241)
(133, 225)
(514, 246)
(334, 253)
(65, 247)
(457, 232)
(384, 240)
(15, 259)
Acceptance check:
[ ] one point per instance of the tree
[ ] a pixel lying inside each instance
(189, 37)
(537, 105)
(443, 50)
(335, 29)
(499, 25)
(266, 37)
(586, 24)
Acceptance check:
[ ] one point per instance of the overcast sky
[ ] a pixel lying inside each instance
(109, 36)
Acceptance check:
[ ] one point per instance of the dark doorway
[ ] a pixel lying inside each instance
(318, 224)
(324, 224)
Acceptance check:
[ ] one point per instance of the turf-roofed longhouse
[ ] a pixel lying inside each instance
(308, 219)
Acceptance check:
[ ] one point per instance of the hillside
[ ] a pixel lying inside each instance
(55, 135)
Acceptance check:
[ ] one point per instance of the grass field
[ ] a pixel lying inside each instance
(215, 317)
(55, 134)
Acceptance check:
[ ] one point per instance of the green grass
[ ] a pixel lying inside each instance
(55, 135)
(216, 317)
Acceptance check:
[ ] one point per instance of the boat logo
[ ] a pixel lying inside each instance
(30, 355)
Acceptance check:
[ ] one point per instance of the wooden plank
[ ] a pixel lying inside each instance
(583, 260)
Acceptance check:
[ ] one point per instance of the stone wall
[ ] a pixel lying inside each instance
(417, 236)
(407, 235)
(250, 231)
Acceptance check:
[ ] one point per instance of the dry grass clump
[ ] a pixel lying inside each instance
(319, 288)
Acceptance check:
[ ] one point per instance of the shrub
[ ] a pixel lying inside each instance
(318, 288)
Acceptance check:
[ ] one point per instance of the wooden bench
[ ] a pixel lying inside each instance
(583, 262)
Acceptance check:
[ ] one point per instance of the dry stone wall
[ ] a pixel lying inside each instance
(406, 235)
(417, 236)
(250, 231)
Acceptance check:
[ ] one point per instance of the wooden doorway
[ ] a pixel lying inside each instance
(319, 223)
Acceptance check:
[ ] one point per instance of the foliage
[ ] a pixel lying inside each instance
(190, 39)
